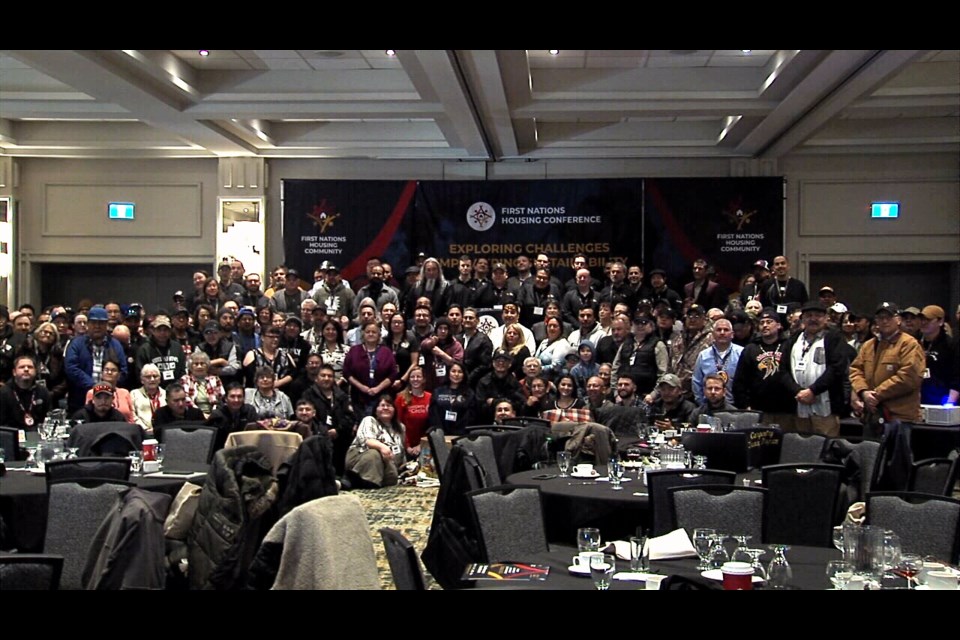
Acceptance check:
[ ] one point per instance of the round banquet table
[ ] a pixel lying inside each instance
(808, 565)
(570, 503)
(23, 502)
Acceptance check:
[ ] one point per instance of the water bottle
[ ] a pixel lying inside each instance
(426, 461)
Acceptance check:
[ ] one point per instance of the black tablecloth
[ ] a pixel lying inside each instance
(23, 504)
(808, 565)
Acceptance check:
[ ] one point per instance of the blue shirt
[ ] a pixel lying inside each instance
(710, 361)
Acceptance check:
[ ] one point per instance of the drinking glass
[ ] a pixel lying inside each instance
(602, 567)
(838, 537)
(588, 539)
(702, 540)
(615, 473)
(699, 462)
(740, 552)
(159, 452)
(839, 573)
(639, 559)
(563, 463)
(910, 566)
(718, 553)
(758, 568)
(136, 462)
(31, 462)
(46, 429)
(779, 573)
(891, 553)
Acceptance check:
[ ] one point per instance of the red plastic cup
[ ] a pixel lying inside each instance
(737, 576)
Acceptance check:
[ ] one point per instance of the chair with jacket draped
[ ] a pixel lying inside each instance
(115, 439)
(277, 446)
(82, 468)
(659, 482)
(75, 511)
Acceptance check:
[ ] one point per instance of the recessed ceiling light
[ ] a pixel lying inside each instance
(391, 52)
(204, 52)
(746, 50)
(553, 52)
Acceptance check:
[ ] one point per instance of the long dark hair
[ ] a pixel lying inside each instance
(394, 425)
(337, 327)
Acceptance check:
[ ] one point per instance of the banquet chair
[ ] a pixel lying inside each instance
(10, 443)
(82, 468)
(487, 429)
(739, 419)
(927, 524)
(404, 564)
(935, 475)
(277, 446)
(658, 482)
(440, 449)
(727, 451)
(526, 421)
(865, 455)
(801, 503)
(114, 439)
(75, 510)
(801, 448)
(509, 519)
(482, 447)
(30, 572)
(183, 444)
(933, 441)
(728, 509)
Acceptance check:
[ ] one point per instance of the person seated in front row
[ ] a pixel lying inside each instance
(376, 455)
(671, 408)
(100, 408)
(714, 398)
(177, 409)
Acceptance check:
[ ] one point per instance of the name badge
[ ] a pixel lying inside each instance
(421, 360)
(329, 421)
(538, 311)
(21, 436)
(633, 359)
(781, 308)
(926, 373)
(167, 375)
(498, 307)
(801, 366)
(450, 416)
(441, 370)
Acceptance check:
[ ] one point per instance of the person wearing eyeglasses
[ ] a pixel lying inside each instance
(643, 356)
(148, 398)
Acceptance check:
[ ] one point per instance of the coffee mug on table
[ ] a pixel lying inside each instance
(583, 469)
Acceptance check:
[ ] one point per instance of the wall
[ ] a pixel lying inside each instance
(62, 204)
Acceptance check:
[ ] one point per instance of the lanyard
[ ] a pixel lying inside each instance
(721, 362)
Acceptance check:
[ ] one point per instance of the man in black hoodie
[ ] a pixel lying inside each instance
(759, 382)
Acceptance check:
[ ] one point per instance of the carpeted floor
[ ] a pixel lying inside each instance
(407, 509)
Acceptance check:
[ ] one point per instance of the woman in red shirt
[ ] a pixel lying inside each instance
(413, 410)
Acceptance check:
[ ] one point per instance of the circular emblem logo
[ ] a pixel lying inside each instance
(481, 216)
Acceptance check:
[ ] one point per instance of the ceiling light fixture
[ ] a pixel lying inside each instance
(745, 50)
(391, 52)
(553, 52)
(204, 52)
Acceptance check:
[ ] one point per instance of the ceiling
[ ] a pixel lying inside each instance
(483, 105)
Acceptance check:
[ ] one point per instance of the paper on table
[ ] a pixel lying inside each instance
(635, 577)
(673, 545)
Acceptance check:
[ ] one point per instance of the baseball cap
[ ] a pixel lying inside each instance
(763, 264)
(161, 321)
(813, 306)
(293, 273)
(328, 266)
(933, 311)
(246, 311)
(826, 288)
(181, 311)
(502, 354)
(839, 307)
(412, 269)
(498, 266)
(658, 270)
(769, 312)
(97, 314)
(670, 379)
(211, 327)
(910, 311)
(293, 320)
(696, 310)
(133, 312)
(888, 307)
(178, 294)
(103, 387)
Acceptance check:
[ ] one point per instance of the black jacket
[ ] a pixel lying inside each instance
(836, 378)
(228, 422)
(239, 490)
(336, 413)
(309, 474)
(477, 357)
(759, 381)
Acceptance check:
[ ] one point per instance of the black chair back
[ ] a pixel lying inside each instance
(763, 445)
(659, 482)
(30, 572)
(114, 439)
(402, 557)
(927, 524)
(10, 443)
(801, 506)
(440, 449)
(105, 468)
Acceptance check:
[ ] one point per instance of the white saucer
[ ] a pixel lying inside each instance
(584, 475)
(579, 570)
(717, 574)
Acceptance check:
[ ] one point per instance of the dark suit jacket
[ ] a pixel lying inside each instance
(711, 295)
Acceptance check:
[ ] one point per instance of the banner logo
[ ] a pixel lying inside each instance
(736, 215)
(323, 216)
(481, 216)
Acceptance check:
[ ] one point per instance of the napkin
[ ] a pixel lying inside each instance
(634, 577)
(673, 545)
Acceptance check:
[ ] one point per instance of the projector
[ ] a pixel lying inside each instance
(937, 414)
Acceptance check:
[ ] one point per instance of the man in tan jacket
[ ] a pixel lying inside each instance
(887, 373)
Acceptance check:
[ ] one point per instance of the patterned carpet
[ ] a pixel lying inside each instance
(407, 509)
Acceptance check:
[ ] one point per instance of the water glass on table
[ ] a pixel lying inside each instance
(588, 539)
(563, 463)
(639, 558)
(602, 568)
(839, 573)
(136, 462)
(702, 541)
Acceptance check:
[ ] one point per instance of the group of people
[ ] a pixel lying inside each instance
(374, 365)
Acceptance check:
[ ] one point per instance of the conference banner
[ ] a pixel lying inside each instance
(664, 223)
(730, 222)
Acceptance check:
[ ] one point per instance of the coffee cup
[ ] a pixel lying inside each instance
(927, 568)
(582, 559)
(856, 583)
(583, 469)
(944, 580)
(149, 449)
(737, 576)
